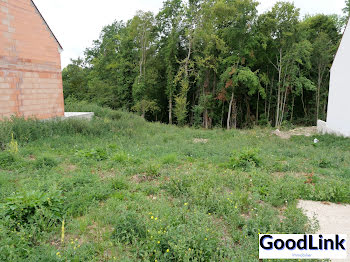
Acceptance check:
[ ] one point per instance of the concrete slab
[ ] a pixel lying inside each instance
(333, 218)
(79, 115)
(323, 128)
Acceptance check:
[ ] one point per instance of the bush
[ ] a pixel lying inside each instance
(129, 228)
(98, 154)
(45, 162)
(120, 184)
(6, 159)
(34, 208)
(246, 159)
(120, 157)
(169, 159)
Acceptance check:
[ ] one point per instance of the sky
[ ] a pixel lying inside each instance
(76, 23)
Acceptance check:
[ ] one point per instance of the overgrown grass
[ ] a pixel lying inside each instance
(129, 190)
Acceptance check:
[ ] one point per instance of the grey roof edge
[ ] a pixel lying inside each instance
(47, 24)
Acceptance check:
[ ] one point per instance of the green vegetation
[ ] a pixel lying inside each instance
(212, 63)
(121, 189)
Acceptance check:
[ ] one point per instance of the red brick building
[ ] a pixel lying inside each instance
(30, 63)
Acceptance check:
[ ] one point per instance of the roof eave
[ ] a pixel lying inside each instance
(60, 46)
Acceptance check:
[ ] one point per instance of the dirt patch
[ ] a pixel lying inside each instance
(200, 141)
(293, 174)
(70, 168)
(32, 158)
(106, 175)
(141, 178)
(301, 131)
(332, 218)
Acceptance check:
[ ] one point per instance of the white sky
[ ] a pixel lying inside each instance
(76, 23)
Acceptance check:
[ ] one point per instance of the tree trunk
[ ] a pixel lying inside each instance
(205, 119)
(222, 114)
(229, 112)
(318, 95)
(270, 97)
(171, 110)
(279, 90)
(302, 101)
(257, 110)
(291, 115)
(234, 113)
(205, 91)
(284, 101)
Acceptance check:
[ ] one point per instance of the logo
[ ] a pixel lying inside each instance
(329, 246)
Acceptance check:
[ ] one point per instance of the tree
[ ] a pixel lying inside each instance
(279, 28)
(346, 12)
(239, 80)
(75, 80)
(212, 63)
(170, 19)
(323, 33)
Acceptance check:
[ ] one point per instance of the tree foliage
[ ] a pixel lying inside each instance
(212, 63)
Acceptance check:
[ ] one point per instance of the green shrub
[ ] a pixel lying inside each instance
(296, 222)
(98, 154)
(324, 163)
(120, 157)
(6, 159)
(129, 228)
(45, 162)
(246, 159)
(179, 187)
(152, 171)
(169, 159)
(33, 208)
(120, 184)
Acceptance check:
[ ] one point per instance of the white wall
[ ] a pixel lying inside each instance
(338, 118)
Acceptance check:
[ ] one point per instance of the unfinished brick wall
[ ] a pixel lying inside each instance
(30, 63)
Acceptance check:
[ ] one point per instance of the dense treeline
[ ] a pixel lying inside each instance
(212, 63)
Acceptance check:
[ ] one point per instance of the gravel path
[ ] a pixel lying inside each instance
(333, 218)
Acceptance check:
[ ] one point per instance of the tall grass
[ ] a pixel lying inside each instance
(129, 190)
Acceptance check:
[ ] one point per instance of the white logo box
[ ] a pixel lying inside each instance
(300, 246)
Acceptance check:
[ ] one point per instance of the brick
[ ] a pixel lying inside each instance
(5, 104)
(30, 64)
(4, 85)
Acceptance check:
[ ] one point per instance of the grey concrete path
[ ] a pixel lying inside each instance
(333, 218)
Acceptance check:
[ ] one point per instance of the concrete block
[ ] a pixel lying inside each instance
(323, 128)
(79, 115)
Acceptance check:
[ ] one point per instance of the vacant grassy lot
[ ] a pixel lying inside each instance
(121, 189)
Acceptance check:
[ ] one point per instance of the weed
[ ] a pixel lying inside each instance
(324, 163)
(245, 160)
(6, 159)
(98, 154)
(120, 157)
(45, 162)
(13, 145)
(120, 184)
(169, 159)
(129, 227)
(33, 208)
